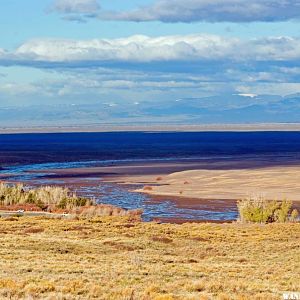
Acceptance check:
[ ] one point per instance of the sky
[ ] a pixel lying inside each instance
(142, 56)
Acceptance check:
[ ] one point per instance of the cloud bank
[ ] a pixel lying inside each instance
(144, 49)
(171, 11)
(188, 11)
(141, 68)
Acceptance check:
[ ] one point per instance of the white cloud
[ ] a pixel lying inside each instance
(21, 89)
(139, 49)
(134, 48)
(142, 67)
(290, 70)
(75, 6)
(127, 84)
(248, 95)
(3, 53)
(282, 89)
(212, 11)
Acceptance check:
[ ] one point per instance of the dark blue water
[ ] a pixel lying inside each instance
(66, 147)
(21, 153)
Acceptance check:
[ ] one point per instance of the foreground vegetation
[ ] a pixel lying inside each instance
(260, 210)
(115, 258)
(45, 197)
(56, 199)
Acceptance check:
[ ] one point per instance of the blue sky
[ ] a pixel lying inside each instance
(116, 53)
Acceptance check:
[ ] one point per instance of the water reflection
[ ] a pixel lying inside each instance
(120, 195)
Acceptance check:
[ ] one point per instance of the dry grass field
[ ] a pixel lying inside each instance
(116, 258)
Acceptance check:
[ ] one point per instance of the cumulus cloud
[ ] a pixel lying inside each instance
(169, 66)
(134, 48)
(188, 11)
(2, 53)
(144, 49)
(75, 6)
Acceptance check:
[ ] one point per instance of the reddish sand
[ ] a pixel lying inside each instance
(230, 180)
(209, 183)
(271, 183)
(25, 207)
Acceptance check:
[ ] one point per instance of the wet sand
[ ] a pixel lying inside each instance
(210, 185)
(146, 170)
(205, 179)
(196, 175)
(198, 179)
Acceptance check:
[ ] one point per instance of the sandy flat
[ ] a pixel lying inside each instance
(189, 180)
(271, 183)
(153, 127)
(232, 180)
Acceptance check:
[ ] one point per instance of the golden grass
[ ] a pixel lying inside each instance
(113, 258)
(56, 199)
(47, 197)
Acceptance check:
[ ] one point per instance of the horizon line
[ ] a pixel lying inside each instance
(94, 128)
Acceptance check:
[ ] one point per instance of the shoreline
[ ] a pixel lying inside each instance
(205, 190)
(4, 213)
(94, 128)
(218, 179)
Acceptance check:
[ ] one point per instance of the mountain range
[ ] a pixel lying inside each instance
(218, 109)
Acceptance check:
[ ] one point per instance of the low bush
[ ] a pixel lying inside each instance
(58, 199)
(147, 188)
(101, 210)
(260, 210)
(45, 198)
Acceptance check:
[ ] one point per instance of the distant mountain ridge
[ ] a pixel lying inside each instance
(225, 109)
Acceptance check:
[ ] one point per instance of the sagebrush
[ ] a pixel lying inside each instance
(43, 197)
(260, 210)
(55, 199)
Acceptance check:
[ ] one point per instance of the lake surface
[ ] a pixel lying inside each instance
(20, 154)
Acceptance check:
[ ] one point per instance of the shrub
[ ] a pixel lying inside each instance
(147, 188)
(42, 197)
(260, 210)
(108, 210)
(282, 214)
(57, 198)
(294, 215)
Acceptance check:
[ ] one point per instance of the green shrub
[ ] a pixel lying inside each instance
(260, 210)
(62, 203)
(294, 215)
